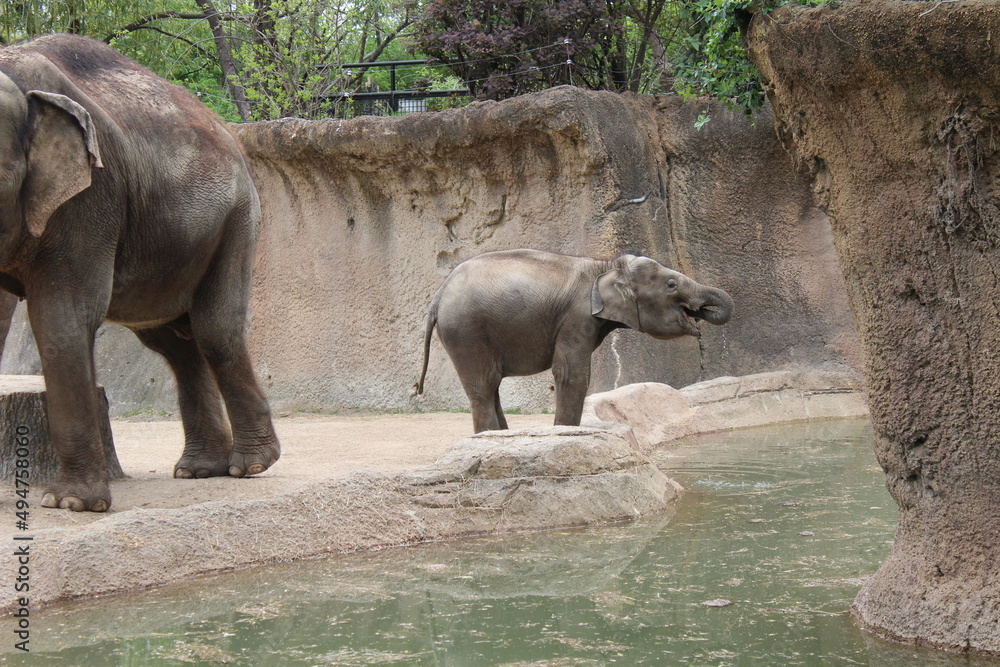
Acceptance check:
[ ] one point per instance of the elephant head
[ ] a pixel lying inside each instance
(48, 146)
(644, 295)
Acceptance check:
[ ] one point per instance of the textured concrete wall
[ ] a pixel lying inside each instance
(364, 218)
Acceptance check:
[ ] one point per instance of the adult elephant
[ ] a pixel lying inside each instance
(123, 198)
(521, 312)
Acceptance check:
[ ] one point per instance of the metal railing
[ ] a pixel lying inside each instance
(386, 102)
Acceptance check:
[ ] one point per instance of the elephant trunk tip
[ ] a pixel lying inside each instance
(718, 309)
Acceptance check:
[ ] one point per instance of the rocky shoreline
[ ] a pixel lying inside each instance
(525, 479)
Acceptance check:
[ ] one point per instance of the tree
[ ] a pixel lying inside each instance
(248, 59)
(224, 55)
(711, 60)
(505, 49)
(292, 51)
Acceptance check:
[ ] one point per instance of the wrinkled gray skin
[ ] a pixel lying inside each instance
(520, 312)
(123, 198)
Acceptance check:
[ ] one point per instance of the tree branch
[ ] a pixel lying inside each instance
(146, 20)
(177, 37)
(373, 55)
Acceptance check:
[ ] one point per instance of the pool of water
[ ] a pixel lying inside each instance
(757, 565)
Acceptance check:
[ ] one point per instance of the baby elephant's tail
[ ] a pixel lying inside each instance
(432, 316)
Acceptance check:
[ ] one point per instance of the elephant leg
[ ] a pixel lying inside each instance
(8, 303)
(65, 334)
(481, 382)
(485, 413)
(501, 419)
(571, 371)
(255, 444)
(218, 320)
(485, 401)
(207, 441)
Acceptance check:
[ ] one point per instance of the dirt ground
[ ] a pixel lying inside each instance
(314, 447)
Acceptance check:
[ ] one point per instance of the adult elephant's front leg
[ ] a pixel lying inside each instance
(66, 348)
(571, 371)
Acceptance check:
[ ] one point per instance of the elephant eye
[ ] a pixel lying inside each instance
(671, 284)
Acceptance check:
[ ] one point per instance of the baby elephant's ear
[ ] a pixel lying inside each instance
(612, 298)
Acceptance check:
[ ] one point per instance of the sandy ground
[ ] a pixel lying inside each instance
(313, 447)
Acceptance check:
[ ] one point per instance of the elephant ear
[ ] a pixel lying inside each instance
(63, 150)
(613, 298)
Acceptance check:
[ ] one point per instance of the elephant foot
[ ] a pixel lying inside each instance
(245, 461)
(200, 467)
(79, 496)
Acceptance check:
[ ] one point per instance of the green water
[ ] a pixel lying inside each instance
(783, 524)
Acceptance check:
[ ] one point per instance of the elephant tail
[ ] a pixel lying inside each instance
(432, 317)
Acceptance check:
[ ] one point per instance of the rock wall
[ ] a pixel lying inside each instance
(895, 106)
(364, 218)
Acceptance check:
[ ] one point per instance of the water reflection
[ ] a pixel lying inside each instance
(781, 524)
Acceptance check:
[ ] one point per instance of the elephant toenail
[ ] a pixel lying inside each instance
(72, 504)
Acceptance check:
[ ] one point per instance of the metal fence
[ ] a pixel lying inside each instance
(390, 102)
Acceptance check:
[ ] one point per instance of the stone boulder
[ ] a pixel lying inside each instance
(551, 476)
(653, 410)
(658, 413)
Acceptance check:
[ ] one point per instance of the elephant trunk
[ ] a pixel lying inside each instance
(716, 306)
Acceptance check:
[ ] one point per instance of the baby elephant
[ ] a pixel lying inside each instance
(520, 312)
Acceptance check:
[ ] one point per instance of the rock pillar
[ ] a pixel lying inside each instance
(895, 109)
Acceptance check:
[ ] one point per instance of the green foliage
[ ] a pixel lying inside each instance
(281, 60)
(178, 49)
(711, 60)
(289, 52)
(22, 19)
(450, 102)
(285, 55)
